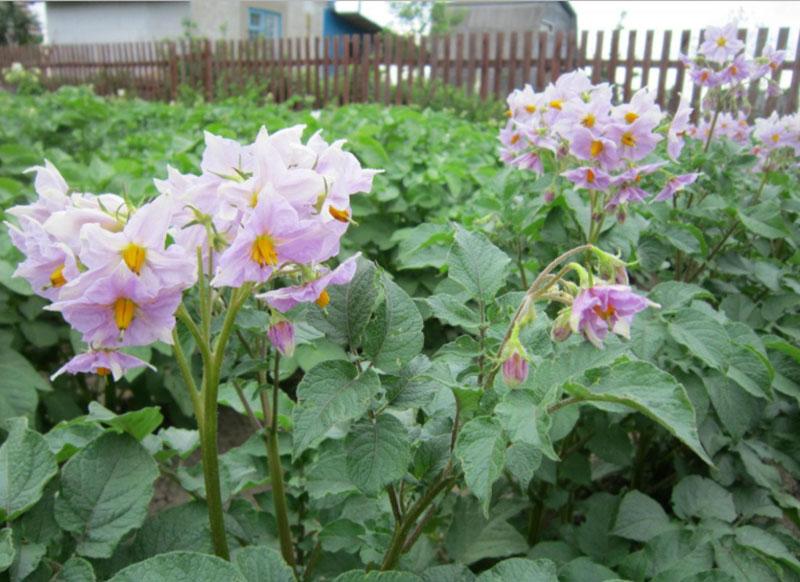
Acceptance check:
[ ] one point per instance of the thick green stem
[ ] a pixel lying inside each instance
(402, 529)
(188, 379)
(208, 437)
(276, 471)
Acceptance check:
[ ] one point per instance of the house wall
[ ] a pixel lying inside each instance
(106, 22)
(508, 15)
(228, 19)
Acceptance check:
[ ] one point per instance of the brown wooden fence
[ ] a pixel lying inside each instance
(388, 69)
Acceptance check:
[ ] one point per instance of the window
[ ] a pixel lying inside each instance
(264, 23)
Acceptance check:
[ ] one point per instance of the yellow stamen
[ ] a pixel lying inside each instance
(323, 299)
(596, 148)
(722, 41)
(134, 256)
(589, 120)
(102, 371)
(514, 138)
(590, 176)
(734, 70)
(556, 104)
(630, 117)
(124, 310)
(775, 138)
(508, 113)
(628, 139)
(606, 313)
(340, 215)
(263, 251)
(254, 200)
(530, 108)
(57, 276)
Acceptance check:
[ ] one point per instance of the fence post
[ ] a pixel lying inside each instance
(208, 80)
(173, 71)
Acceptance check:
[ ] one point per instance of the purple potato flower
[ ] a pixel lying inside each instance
(675, 185)
(720, 43)
(603, 308)
(102, 362)
(285, 298)
(586, 145)
(120, 310)
(588, 178)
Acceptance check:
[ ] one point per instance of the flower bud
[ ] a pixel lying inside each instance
(515, 369)
(549, 196)
(281, 336)
(621, 215)
(561, 329)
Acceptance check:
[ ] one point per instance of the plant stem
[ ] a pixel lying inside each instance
(398, 544)
(208, 437)
(537, 512)
(276, 471)
(711, 130)
(530, 295)
(481, 340)
(188, 379)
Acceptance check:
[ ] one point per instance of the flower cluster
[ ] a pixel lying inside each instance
(273, 210)
(572, 128)
(721, 63)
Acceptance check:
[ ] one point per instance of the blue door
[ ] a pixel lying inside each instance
(264, 23)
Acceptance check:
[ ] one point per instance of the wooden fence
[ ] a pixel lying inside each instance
(389, 69)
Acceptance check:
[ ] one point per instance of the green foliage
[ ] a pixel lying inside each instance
(671, 456)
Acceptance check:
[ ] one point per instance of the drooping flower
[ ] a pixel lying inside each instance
(281, 336)
(606, 308)
(52, 194)
(720, 43)
(284, 298)
(705, 77)
(675, 185)
(737, 70)
(677, 129)
(102, 362)
(515, 368)
(272, 236)
(120, 310)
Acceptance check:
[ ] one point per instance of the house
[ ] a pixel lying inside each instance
(122, 21)
(513, 15)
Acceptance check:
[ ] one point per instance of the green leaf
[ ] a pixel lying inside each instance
(736, 409)
(685, 237)
(478, 265)
(330, 393)
(750, 370)
(640, 518)
(350, 307)
(583, 569)
(16, 284)
(672, 295)
(68, 437)
(391, 576)
(448, 573)
(696, 496)
(481, 448)
(453, 311)
(378, 453)
(27, 560)
(105, 492)
(26, 465)
(180, 567)
(19, 382)
(76, 570)
(760, 227)
(341, 535)
(516, 569)
(394, 336)
(473, 537)
(653, 392)
(183, 527)
(7, 550)
(767, 544)
(327, 475)
(262, 564)
(525, 421)
(702, 335)
(522, 460)
(138, 423)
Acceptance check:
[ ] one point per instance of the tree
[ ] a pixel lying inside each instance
(18, 25)
(426, 17)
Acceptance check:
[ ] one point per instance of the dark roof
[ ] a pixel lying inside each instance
(359, 21)
(568, 8)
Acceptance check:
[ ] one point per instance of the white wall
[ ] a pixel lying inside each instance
(89, 22)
